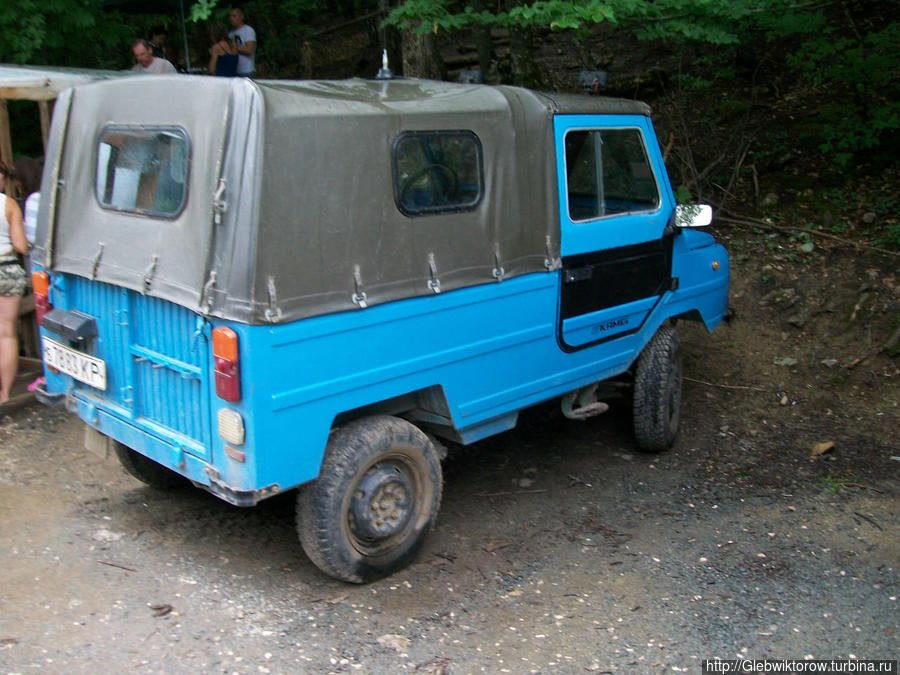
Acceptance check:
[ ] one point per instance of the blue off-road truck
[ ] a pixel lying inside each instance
(266, 285)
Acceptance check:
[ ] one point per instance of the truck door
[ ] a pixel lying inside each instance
(615, 201)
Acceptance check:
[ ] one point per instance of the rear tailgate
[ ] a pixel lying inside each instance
(147, 362)
(127, 236)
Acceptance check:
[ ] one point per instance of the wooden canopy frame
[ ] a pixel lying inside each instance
(41, 84)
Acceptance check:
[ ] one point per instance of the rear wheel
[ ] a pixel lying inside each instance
(375, 500)
(146, 470)
(657, 392)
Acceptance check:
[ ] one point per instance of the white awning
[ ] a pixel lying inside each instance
(43, 83)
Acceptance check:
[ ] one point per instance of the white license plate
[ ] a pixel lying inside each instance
(79, 365)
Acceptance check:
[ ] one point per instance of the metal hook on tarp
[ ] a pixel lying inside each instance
(551, 262)
(272, 312)
(149, 272)
(96, 263)
(498, 268)
(359, 297)
(434, 283)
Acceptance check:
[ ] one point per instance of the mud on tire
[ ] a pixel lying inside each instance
(376, 498)
(657, 392)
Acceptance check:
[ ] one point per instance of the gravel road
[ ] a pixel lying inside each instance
(558, 550)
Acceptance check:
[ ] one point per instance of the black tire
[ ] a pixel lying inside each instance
(657, 392)
(376, 498)
(146, 470)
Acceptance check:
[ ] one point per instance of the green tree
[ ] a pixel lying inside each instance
(847, 51)
(63, 33)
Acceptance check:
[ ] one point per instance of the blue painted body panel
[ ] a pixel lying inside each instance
(492, 350)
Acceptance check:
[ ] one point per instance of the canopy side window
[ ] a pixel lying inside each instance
(143, 170)
(437, 172)
(608, 173)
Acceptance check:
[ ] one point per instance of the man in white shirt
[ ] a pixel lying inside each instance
(244, 38)
(146, 62)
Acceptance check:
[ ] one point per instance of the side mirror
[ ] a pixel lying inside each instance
(692, 215)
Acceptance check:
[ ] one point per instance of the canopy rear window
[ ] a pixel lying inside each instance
(608, 172)
(437, 171)
(143, 169)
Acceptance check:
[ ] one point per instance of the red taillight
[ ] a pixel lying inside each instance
(40, 282)
(227, 364)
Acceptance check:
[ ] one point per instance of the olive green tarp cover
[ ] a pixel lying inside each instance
(302, 175)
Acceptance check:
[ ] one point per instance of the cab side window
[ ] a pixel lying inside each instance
(607, 173)
(142, 170)
(437, 171)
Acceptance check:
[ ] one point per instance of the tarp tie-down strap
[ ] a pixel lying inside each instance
(208, 288)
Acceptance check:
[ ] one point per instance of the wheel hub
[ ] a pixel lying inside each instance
(381, 503)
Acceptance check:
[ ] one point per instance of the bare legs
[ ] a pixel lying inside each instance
(9, 344)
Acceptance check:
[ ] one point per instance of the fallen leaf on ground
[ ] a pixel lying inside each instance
(492, 546)
(106, 536)
(821, 448)
(399, 643)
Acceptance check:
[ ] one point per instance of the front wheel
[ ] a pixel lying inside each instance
(376, 498)
(657, 392)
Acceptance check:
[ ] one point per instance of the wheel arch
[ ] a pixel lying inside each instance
(423, 407)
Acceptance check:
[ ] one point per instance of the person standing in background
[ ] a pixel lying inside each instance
(223, 55)
(244, 38)
(12, 283)
(157, 41)
(146, 62)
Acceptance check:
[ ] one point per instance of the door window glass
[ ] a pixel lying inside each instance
(608, 172)
(143, 170)
(437, 171)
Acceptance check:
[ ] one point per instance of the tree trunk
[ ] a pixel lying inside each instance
(525, 71)
(306, 57)
(421, 57)
(5, 135)
(484, 43)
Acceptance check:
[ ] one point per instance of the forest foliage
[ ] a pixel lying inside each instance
(849, 49)
(835, 64)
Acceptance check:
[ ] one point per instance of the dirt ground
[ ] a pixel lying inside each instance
(559, 547)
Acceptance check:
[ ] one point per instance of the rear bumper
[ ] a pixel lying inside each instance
(54, 400)
(167, 453)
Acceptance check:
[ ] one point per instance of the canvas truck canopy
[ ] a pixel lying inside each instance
(306, 198)
(130, 180)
